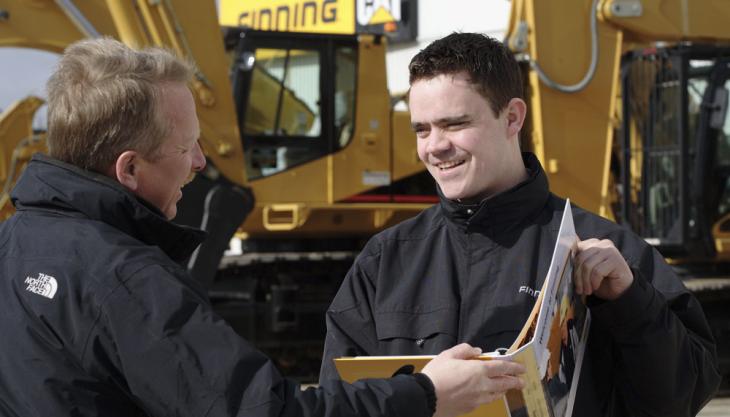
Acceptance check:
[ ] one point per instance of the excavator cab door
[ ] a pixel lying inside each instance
(675, 147)
(285, 91)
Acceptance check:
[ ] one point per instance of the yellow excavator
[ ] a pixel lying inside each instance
(308, 158)
(628, 113)
(18, 141)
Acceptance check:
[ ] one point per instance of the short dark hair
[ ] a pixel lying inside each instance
(490, 65)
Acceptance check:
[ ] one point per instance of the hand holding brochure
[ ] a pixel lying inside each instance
(551, 345)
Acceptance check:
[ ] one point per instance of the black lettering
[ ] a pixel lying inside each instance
(279, 13)
(329, 14)
(267, 13)
(244, 19)
(282, 19)
(369, 4)
(309, 5)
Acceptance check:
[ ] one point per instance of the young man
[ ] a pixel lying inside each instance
(467, 269)
(98, 316)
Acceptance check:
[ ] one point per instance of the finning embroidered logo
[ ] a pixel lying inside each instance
(529, 291)
(44, 285)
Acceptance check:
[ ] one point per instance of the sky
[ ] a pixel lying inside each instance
(23, 72)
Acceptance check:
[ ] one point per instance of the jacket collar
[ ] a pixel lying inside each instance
(49, 184)
(506, 208)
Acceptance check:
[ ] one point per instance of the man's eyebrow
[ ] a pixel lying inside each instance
(417, 125)
(454, 119)
(443, 121)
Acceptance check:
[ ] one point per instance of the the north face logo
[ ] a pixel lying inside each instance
(44, 285)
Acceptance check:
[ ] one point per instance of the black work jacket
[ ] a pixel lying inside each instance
(469, 273)
(98, 318)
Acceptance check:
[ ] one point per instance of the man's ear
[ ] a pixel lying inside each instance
(125, 169)
(516, 112)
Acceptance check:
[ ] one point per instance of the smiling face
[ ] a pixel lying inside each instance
(471, 154)
(159, 180)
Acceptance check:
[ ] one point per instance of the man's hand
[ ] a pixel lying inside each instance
(463, 384)
(601, 270)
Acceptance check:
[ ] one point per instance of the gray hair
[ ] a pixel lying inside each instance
(103, 99)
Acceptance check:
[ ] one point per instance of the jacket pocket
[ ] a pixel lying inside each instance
(501, 325)
(416, 332)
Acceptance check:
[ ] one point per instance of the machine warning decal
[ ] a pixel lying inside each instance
(375, 12)
(377, 178)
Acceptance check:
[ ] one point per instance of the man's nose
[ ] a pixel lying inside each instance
(438, 142)
(198, 158)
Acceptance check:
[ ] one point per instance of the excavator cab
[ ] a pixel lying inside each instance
(294, 96)
(675, 149)
(673, 162)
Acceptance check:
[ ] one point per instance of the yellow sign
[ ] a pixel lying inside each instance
(321, 16)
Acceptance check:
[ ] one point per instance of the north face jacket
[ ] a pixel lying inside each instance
(471, 273)
(99, 319)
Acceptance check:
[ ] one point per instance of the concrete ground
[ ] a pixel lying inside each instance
(719, 407)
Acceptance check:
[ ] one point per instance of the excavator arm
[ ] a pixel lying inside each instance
(18, 144)
(574, 52)
(189, 28)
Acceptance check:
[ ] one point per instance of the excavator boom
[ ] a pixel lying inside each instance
(189, 28)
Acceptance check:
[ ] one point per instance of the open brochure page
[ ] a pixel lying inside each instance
(353, 368)
(550, 345)
(555, 336)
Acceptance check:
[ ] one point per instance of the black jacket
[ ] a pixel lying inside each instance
(459, 273)
(99, 320)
